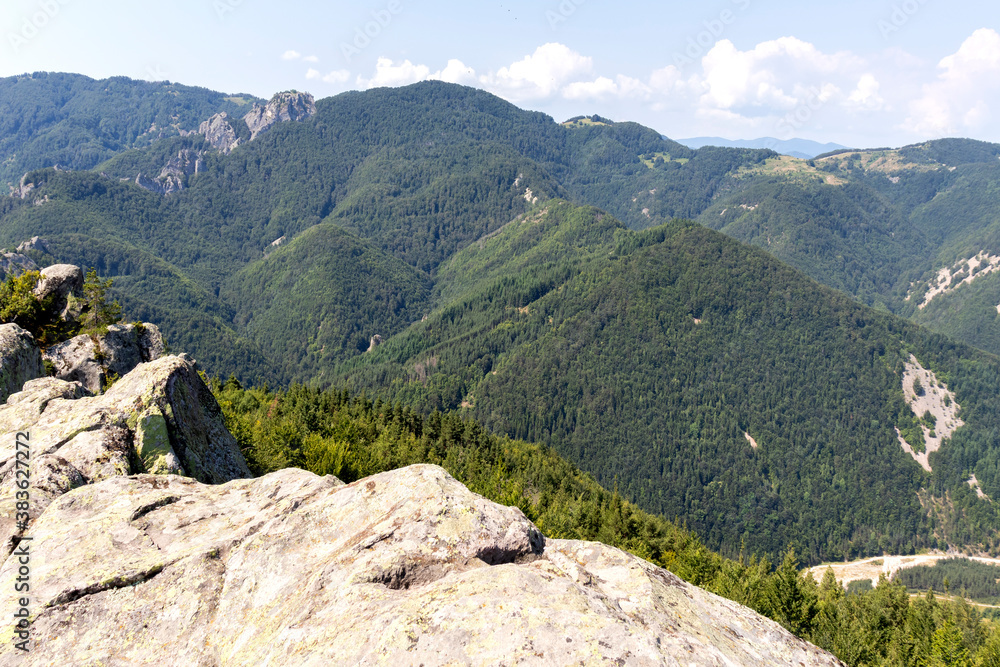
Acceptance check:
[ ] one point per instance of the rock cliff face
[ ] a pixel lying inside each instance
(287, 106)
(173, 176)
(20, 359)
(219, 133)
(406, 567)
(160, 418)
(91, 360)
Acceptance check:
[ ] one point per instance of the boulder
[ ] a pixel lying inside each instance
(65, 281)
(406, 567)
(91, 360)
(158, 418)
(20, 359)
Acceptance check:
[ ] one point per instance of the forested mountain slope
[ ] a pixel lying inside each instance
(709, 381)
(76, 122)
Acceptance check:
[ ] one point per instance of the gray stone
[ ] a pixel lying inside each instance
(35, 243)
(283, 107)
(14, 264)
(20, 359)
(159, 415)
(219, 133)
(406, 567)
(91, 360)
(65, 282)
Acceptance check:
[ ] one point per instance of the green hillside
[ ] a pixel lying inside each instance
(76, 122)
(707, 380)
(647, 358)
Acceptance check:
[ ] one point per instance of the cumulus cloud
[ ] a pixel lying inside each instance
(456, 72)
(774, 75)
(866, 95)
(389, 73)
(311, 59)
(291, 55)
(336, 76)
(960, 99)
(541, 74)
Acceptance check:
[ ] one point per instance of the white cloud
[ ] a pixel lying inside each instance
(866, 95)
(539, 75)
(291, 55)
(336, 76)
(456, 72)
(311, 59)
(603, 88)
(961, 98)
(775, 75)
(388, 73)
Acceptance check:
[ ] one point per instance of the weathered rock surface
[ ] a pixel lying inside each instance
(159, 418)
(91, 360)
(20, 359)
(173, 176)
(35, 243)
(14, 264)
(65, 281)
(283, 107)
(219, 133)
(407, 567)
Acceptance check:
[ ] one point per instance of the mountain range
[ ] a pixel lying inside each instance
(804, 149)
(728, 336)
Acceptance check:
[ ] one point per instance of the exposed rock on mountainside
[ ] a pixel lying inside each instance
(405, 567)
(14, 264)
(287, 106)
(159, 418)
(219, 133)
(89, 360)
(174, 175)
(20, 359)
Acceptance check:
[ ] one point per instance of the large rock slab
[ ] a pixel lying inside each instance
(65, 283)
(407, 567)
(20, 359)
(91, 360)
(159, 418)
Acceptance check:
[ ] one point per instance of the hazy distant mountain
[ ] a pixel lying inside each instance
(800, 148)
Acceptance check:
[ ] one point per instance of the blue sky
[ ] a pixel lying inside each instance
(858, 73)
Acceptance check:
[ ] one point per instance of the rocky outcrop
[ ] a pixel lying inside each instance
(407, 567)
(91, 360)
(20, 359)
(173, 177)
(35, 243)
(65, 283)
(159, 418)
(283, 107)
(14, 264)
(288, 106)
(219, 133)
